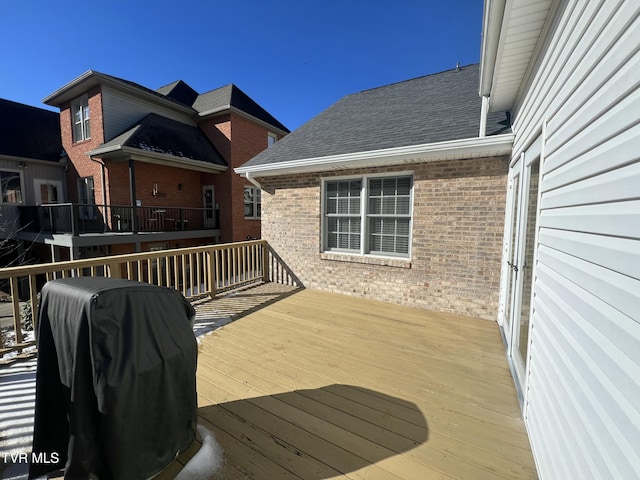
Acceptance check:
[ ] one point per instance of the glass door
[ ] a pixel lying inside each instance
(522, 210)
(209, 206)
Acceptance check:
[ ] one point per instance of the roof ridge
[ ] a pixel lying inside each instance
(457, 68)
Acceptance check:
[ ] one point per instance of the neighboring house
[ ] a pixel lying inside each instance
(153, 170)
(570, 303)
(386, 195)
(391, 194)
(32, 172)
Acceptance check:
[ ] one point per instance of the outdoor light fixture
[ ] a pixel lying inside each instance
(155, 189)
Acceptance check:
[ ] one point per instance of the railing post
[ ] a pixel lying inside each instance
(15, 304)
(265, 261)
(213, 274)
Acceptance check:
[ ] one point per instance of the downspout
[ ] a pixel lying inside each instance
(248, 176)
(484, 111)
(104, 189)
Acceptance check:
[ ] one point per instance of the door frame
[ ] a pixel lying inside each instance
(511, 285)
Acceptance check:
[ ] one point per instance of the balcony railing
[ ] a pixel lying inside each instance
(76, 219)
(196, 272)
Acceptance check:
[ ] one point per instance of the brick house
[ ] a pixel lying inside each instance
(394, 194)
(154, 169)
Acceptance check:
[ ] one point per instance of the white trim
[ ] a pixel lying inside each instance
(37, 185)
(157, 158)
(450, 150)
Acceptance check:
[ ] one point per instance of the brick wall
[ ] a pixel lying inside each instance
(238, 139)
(458, 217)
(80, 166)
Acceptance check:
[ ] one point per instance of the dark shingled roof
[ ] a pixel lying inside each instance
(231, 96)
(435, 108)
(179, 91)
(155, 133)
(29, 132)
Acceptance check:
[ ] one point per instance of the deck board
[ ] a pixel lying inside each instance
(321, 386)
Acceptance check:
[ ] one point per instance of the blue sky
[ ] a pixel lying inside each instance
(294, 57)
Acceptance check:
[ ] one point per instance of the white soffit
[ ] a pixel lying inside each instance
(522, 25)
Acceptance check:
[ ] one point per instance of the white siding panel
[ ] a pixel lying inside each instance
(618, 254)
(614, 186)
(618, 290)
(121, 111)
(585, 403)
(613, 153)
(583, 383)
(617, 219)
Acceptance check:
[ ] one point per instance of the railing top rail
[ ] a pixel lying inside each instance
(26, 270)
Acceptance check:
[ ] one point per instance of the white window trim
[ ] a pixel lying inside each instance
(255, 202)
(271, 135)
(80, 101)
(364, 214)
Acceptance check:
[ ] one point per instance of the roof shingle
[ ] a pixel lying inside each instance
(434, 108)
(29, 132)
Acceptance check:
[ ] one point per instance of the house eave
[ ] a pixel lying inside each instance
(84, 82)
(507, 52)
(450, 150)
(122, 153)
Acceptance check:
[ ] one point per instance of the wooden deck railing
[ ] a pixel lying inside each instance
(196, 272)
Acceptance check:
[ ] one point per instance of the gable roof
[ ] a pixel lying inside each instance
(177, 95)
(155, 135)
(441, 107)
(29, 132)
(231, 97)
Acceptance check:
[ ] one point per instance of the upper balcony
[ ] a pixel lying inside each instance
(79, 219)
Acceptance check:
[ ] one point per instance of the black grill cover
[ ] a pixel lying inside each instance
(115, 386)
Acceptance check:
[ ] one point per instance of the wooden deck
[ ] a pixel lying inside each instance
(322, 386)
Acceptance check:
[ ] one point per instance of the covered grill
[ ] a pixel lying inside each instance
(115, 386)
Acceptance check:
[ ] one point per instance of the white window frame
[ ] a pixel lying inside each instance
(364, 215)
(272, 138)
(256, 199)
(80, 127)
(22, 190)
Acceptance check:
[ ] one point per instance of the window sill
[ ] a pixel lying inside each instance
(252, 218)
(366, 259)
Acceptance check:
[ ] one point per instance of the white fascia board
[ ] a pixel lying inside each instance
(156, 158)
(451, 150)
(62, 163)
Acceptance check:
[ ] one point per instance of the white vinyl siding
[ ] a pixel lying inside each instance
(583, 384)
(368, 215)
(121, 111)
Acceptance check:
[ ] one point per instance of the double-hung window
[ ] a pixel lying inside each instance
(80, 118)
(369, 215)
(252, 202)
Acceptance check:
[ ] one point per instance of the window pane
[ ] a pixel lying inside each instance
(403, 206)
(388, 206)
(404, 185)
(402, 226)
(87, 129)
(375, 206)
(11, 189)
(375, 187)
